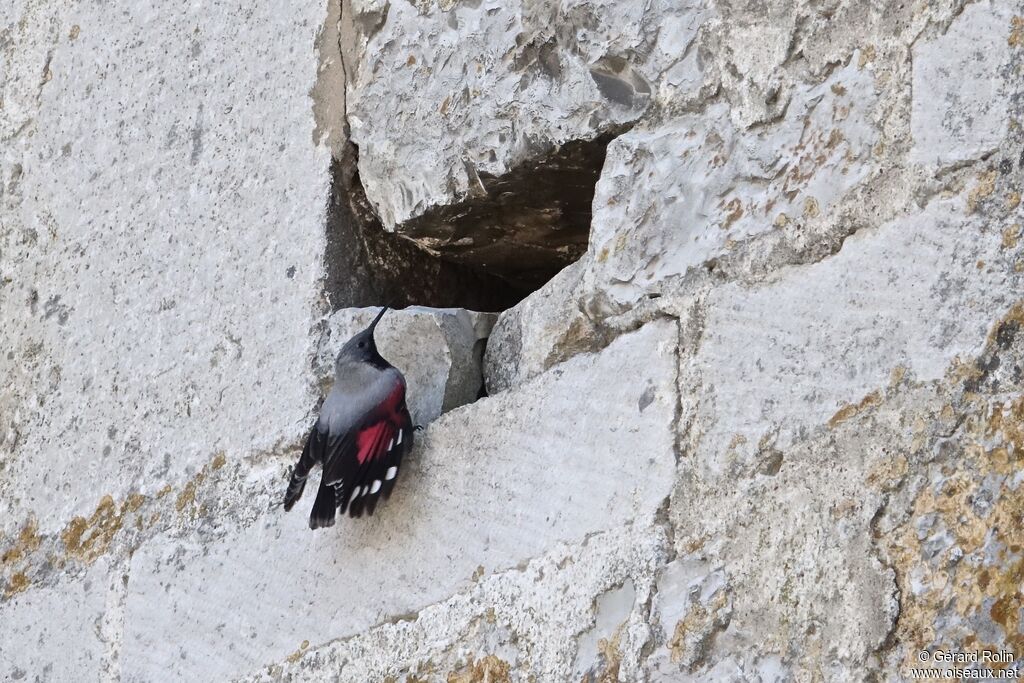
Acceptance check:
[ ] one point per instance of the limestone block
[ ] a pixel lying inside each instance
(491, 484)
(439, 351)
(785, 357)
(53, 633)
(524, 621)
(963, 82)
(446, 91)
(677, 195)
(162, 248)
(535, 333)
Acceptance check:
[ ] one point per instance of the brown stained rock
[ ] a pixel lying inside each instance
(488, 669)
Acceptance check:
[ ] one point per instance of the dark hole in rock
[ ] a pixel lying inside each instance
(368, 266)
(524, 226)
(487, 252)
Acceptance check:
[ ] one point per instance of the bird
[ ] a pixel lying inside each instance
(360, 436)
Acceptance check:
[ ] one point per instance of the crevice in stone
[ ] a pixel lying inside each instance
(365, 265)
(487, 252)
(526, 225)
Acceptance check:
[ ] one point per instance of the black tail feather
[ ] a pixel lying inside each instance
(322, 514)
(310, 456)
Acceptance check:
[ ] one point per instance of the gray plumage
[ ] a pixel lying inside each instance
(360, 436)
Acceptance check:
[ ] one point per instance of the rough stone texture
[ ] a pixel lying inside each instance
(767, 427)
(153, 314)
(543, 329)
(440, 352)
(692, 188)
(423, 545)
(480, 124)
(962, 85)
(53, 634)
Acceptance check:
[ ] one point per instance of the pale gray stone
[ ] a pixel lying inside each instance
(491, 484)
(690, 189)
(162, 309)
(438, 350)
(539, 331)
(963, 80)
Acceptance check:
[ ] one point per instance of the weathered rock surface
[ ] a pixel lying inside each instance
(768, 426)
(56, 634)
(963, 83)
(490, 485)
(153, 314)
(482, 125)
(545, 328)
(689, 190)
(440, 352)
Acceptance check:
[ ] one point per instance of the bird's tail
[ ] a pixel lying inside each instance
(297, 484)
(323, 508)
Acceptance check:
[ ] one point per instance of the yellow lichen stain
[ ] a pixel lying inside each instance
(1013, 316)
(867, 55)
(811, 208)
(834, 138)
(489, 669)
(781, 221)
(897, 375)
(735, 209)
(297, 655)
(993, 451)
(133, 502)
(1010, 236)
(87, 539)
(853, 409)
(1016, 38)
(984, 188)
(16, 584)
(838, 89)
(698, 618)
(611, 655)
(1012, 201)
(886, 474)
(27, 541)
(74, 32)
(186, 501)
(411, 61)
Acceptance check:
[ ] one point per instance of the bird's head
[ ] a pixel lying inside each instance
(361, 348)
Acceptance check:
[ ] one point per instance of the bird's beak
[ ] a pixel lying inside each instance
(377, 319)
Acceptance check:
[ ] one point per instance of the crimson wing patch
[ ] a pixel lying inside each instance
(362, 466)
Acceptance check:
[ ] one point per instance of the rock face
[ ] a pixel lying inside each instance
(483, 125)
(439, 351)
(756, 413)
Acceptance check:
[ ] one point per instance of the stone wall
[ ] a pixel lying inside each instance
(758, 413)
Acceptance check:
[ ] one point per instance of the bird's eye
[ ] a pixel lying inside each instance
(361, 344)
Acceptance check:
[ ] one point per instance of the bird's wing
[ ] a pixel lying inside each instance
(362, 464)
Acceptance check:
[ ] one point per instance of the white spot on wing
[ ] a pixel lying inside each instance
(376, 486)
(390, 474)
(399, 442)
(391, 443)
